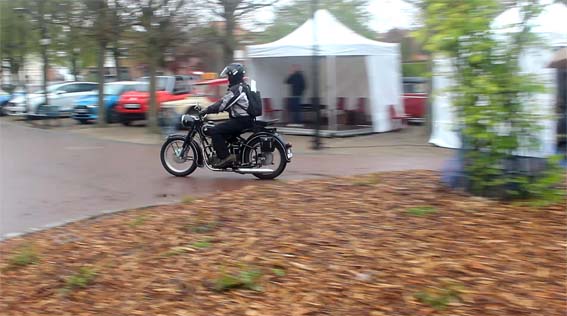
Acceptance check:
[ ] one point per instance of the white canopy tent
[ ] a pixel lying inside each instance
(550, 27)
(353, 67)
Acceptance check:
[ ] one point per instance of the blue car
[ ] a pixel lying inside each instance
(4, 98)
(86, 107)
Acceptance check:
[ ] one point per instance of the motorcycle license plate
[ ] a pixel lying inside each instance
(132, 106)
(289, 153)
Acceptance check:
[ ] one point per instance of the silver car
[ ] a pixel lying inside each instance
(61, 95)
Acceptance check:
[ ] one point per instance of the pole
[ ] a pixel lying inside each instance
(44, 42)
(315, 69)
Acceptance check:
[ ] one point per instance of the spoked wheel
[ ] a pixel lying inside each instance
(172, 159)
(266, 160)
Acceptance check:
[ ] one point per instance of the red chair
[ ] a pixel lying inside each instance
(394, 116)
(342, 115)
(360, 116)
(268, 109)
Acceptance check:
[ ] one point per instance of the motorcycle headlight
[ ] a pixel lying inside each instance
(188, 120)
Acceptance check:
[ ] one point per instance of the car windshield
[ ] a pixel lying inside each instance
(115, 88)
(161, 83)
(142, 87)
(50, 89)
(209, 90)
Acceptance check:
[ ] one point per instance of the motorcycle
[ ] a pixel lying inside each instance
(262, 153)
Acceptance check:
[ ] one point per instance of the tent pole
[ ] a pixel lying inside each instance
(332, 92)
(315, 69)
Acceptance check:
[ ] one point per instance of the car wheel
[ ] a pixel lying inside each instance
(126, 123)
(83, 122)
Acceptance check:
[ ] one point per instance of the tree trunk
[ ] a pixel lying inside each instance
(14, 71)
(45, 72)
(116, 54)
(228, 45)
(152, 115)
(74, 65)
(101, 105)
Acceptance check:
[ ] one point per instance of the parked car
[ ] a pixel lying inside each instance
(134, 105)
(62, 96)
(415, 98)
(203, 93)
(86, 107)
(4, 98)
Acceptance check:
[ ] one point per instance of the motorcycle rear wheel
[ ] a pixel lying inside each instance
(254, 147)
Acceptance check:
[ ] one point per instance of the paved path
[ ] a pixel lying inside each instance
(48, 177)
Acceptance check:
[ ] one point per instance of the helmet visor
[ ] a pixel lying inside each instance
(224, 73)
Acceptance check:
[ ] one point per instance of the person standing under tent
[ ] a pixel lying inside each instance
(296, 81)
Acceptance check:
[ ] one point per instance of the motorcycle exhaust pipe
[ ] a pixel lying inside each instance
(253, 170)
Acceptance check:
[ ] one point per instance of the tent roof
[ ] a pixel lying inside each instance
(550, 23)
(331, 36)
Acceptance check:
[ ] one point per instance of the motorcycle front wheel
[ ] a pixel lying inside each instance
(172, 158)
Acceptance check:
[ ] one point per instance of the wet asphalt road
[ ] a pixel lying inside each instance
(48, 177)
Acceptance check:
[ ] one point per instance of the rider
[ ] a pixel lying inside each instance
(235, 102)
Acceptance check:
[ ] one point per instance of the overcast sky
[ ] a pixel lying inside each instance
(389, 14)
(385, 14)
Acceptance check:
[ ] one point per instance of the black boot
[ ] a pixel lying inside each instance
(223, 163)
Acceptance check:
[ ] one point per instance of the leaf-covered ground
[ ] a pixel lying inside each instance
(386, 244)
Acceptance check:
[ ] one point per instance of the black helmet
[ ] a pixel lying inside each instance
(235, 73)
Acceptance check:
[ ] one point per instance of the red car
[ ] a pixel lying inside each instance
(134, 105)
(415, 98)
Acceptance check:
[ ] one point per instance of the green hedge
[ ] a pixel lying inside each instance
(414, 69)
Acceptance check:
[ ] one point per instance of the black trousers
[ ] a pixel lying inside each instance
(219, 133)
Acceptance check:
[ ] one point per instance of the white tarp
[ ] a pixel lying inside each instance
(549, 26)
(351, 66)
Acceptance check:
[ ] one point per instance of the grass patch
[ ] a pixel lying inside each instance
(23, 256)
(202, 228)
(421, 210)
(175, 251)
(367, 181)
(278, 272)
(541, 203)
(202, 244)
(440, 298)
(82, 279)
(188, 199)
(139, 220)
(245, 279)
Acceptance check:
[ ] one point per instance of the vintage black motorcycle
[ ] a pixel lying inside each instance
(263, 152)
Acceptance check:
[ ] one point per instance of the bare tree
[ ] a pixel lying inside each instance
(160, 24)
(70, 16)
(101, 30)
(231, 11)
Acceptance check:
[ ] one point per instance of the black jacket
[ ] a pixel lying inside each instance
(297, 83)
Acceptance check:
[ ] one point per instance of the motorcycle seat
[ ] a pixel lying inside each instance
(264, 123)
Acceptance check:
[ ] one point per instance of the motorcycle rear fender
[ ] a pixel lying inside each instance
(279, 139)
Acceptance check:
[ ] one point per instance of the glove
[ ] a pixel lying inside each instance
(203, 112)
